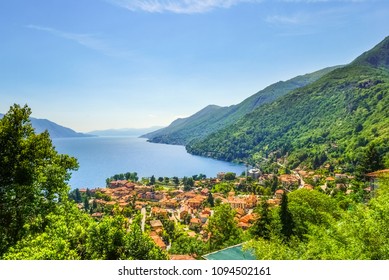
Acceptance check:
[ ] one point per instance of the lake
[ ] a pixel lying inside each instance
(101, 157)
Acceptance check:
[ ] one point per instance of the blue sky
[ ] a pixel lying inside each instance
(97, 64)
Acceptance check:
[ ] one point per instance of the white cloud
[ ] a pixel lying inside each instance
(278, 19)
(87, 40)
(177, 6)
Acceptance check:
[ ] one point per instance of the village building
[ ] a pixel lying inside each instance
(254, 173)
(289, 180)
(158, 240)
(279, 193)
(204, 218)
(181, 258)
(156, 211)
(341, 177)
(236, 203)
(221, 175)
(239, 212)
(97, 215)
(156, 225)
(374, 177)
(251, 201)
(117, 184)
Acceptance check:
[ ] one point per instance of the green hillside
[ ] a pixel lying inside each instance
(213, 118)
(341, 119)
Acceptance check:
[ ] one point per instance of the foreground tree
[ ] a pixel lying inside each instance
(286, 218)
(61, 235)
(33, 176)
(223, 228)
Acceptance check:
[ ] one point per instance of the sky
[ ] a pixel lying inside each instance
(100, 64)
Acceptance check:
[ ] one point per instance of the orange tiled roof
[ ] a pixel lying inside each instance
(181, 257)
(378, 173)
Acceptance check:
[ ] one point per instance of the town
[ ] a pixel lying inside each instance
(188, 203)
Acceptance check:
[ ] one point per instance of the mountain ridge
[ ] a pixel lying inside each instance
(55, 130)
(334, 120)
(213, 117)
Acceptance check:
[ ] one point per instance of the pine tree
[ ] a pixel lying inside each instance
(261, 227)
(210, 200)
(286, 218)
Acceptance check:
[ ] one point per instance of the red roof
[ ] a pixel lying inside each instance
(181, 257)
(378, 173)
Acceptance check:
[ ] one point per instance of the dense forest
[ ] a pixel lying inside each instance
(340, 119)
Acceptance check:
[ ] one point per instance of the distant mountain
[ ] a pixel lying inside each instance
(212, 118)
(55, 130)
(124, 131)
(341, 119)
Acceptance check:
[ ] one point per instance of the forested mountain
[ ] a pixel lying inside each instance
(341, 119)
(55, 130)
(213, 118)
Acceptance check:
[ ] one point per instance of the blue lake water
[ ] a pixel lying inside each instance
(102, 157)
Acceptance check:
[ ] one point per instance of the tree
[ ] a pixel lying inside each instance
(210, 200)
(131, 176)
(371, 161)
(286, 218)
(61, 235)
(75, 195)
(223, 228)
(311, 207)
(33, 175)
(261, 227)
(176, 181)
(106, 239)
(229, 176)
(86, 203)
(188, 183)
(140, 246)
(188, 245)
(152, 180)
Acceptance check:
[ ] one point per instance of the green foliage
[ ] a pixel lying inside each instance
(140, 246)
(152, 180)
(359, 232)
(130, 176)
(223, 228)
(286, 218)
(184, 245)
(311, 207)
(32, 175)
(230, 176)
(332, 120)
(176, 181)
(210, 200)
(262, 225)
(223, 187)
(61, 235)
(188, 183)
(75, 195)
